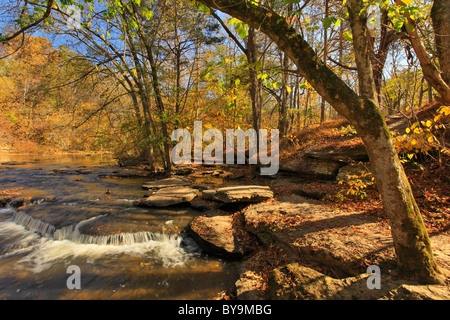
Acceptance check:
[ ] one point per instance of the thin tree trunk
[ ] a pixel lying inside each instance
(387, 37)
(308, 94)
(325, 58)
(282, 112)
(254, 87)
(430, 94)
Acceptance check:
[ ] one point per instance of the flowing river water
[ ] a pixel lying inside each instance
(80, 217)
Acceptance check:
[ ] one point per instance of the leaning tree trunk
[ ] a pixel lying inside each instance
(410, 237)
(411, 241)
(430, 72)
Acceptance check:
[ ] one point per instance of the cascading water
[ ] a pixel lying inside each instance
(69, 241)
(123, 251)
(72, 232)
(43, 228)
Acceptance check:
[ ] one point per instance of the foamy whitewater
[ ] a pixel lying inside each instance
(130, 252)
(23, 235)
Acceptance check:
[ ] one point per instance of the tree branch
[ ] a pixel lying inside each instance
(310, 65)
(22, 30)
(341, 65)
(230, 34)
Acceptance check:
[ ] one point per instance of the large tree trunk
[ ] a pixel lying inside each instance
(411, 241)
(410, 237)
(440, 14)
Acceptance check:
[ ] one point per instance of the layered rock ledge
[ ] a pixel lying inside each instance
(316, 252)
(217, 235)
(234, 194)
(168, 197)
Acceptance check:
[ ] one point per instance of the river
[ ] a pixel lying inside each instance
(80, 217)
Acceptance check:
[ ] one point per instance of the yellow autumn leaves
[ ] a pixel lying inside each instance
(420, 136)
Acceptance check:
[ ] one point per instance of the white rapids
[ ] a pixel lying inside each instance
(42, 245)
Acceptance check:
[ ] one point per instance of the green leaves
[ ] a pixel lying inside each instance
(206, 73)
(348, 36)
(203, 8)
(400, 13)
(147, 13)
(305, 85)
(240, 27)
(331, 21)
(262, 76)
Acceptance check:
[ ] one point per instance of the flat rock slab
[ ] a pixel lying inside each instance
(166, 183)
(239, 194)
(308, 284)
(217, 236)
(169, 196)
(315, 168)
(349, 154)
(345, 242)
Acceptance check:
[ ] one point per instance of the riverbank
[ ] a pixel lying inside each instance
(288, 242)
(297, 247)
(309, 232)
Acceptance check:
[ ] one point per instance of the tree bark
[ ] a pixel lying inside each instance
(440, 15)
(387, 37)
(411, 240)
(253, 74)
(325, 58)
(283, 106)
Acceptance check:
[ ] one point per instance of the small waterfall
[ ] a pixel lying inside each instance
(43, 228)
(117, 239)
(14, 239)
(64, 233)
(125, 238)
(73, 233)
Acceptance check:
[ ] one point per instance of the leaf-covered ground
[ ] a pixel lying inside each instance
(428, 171)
